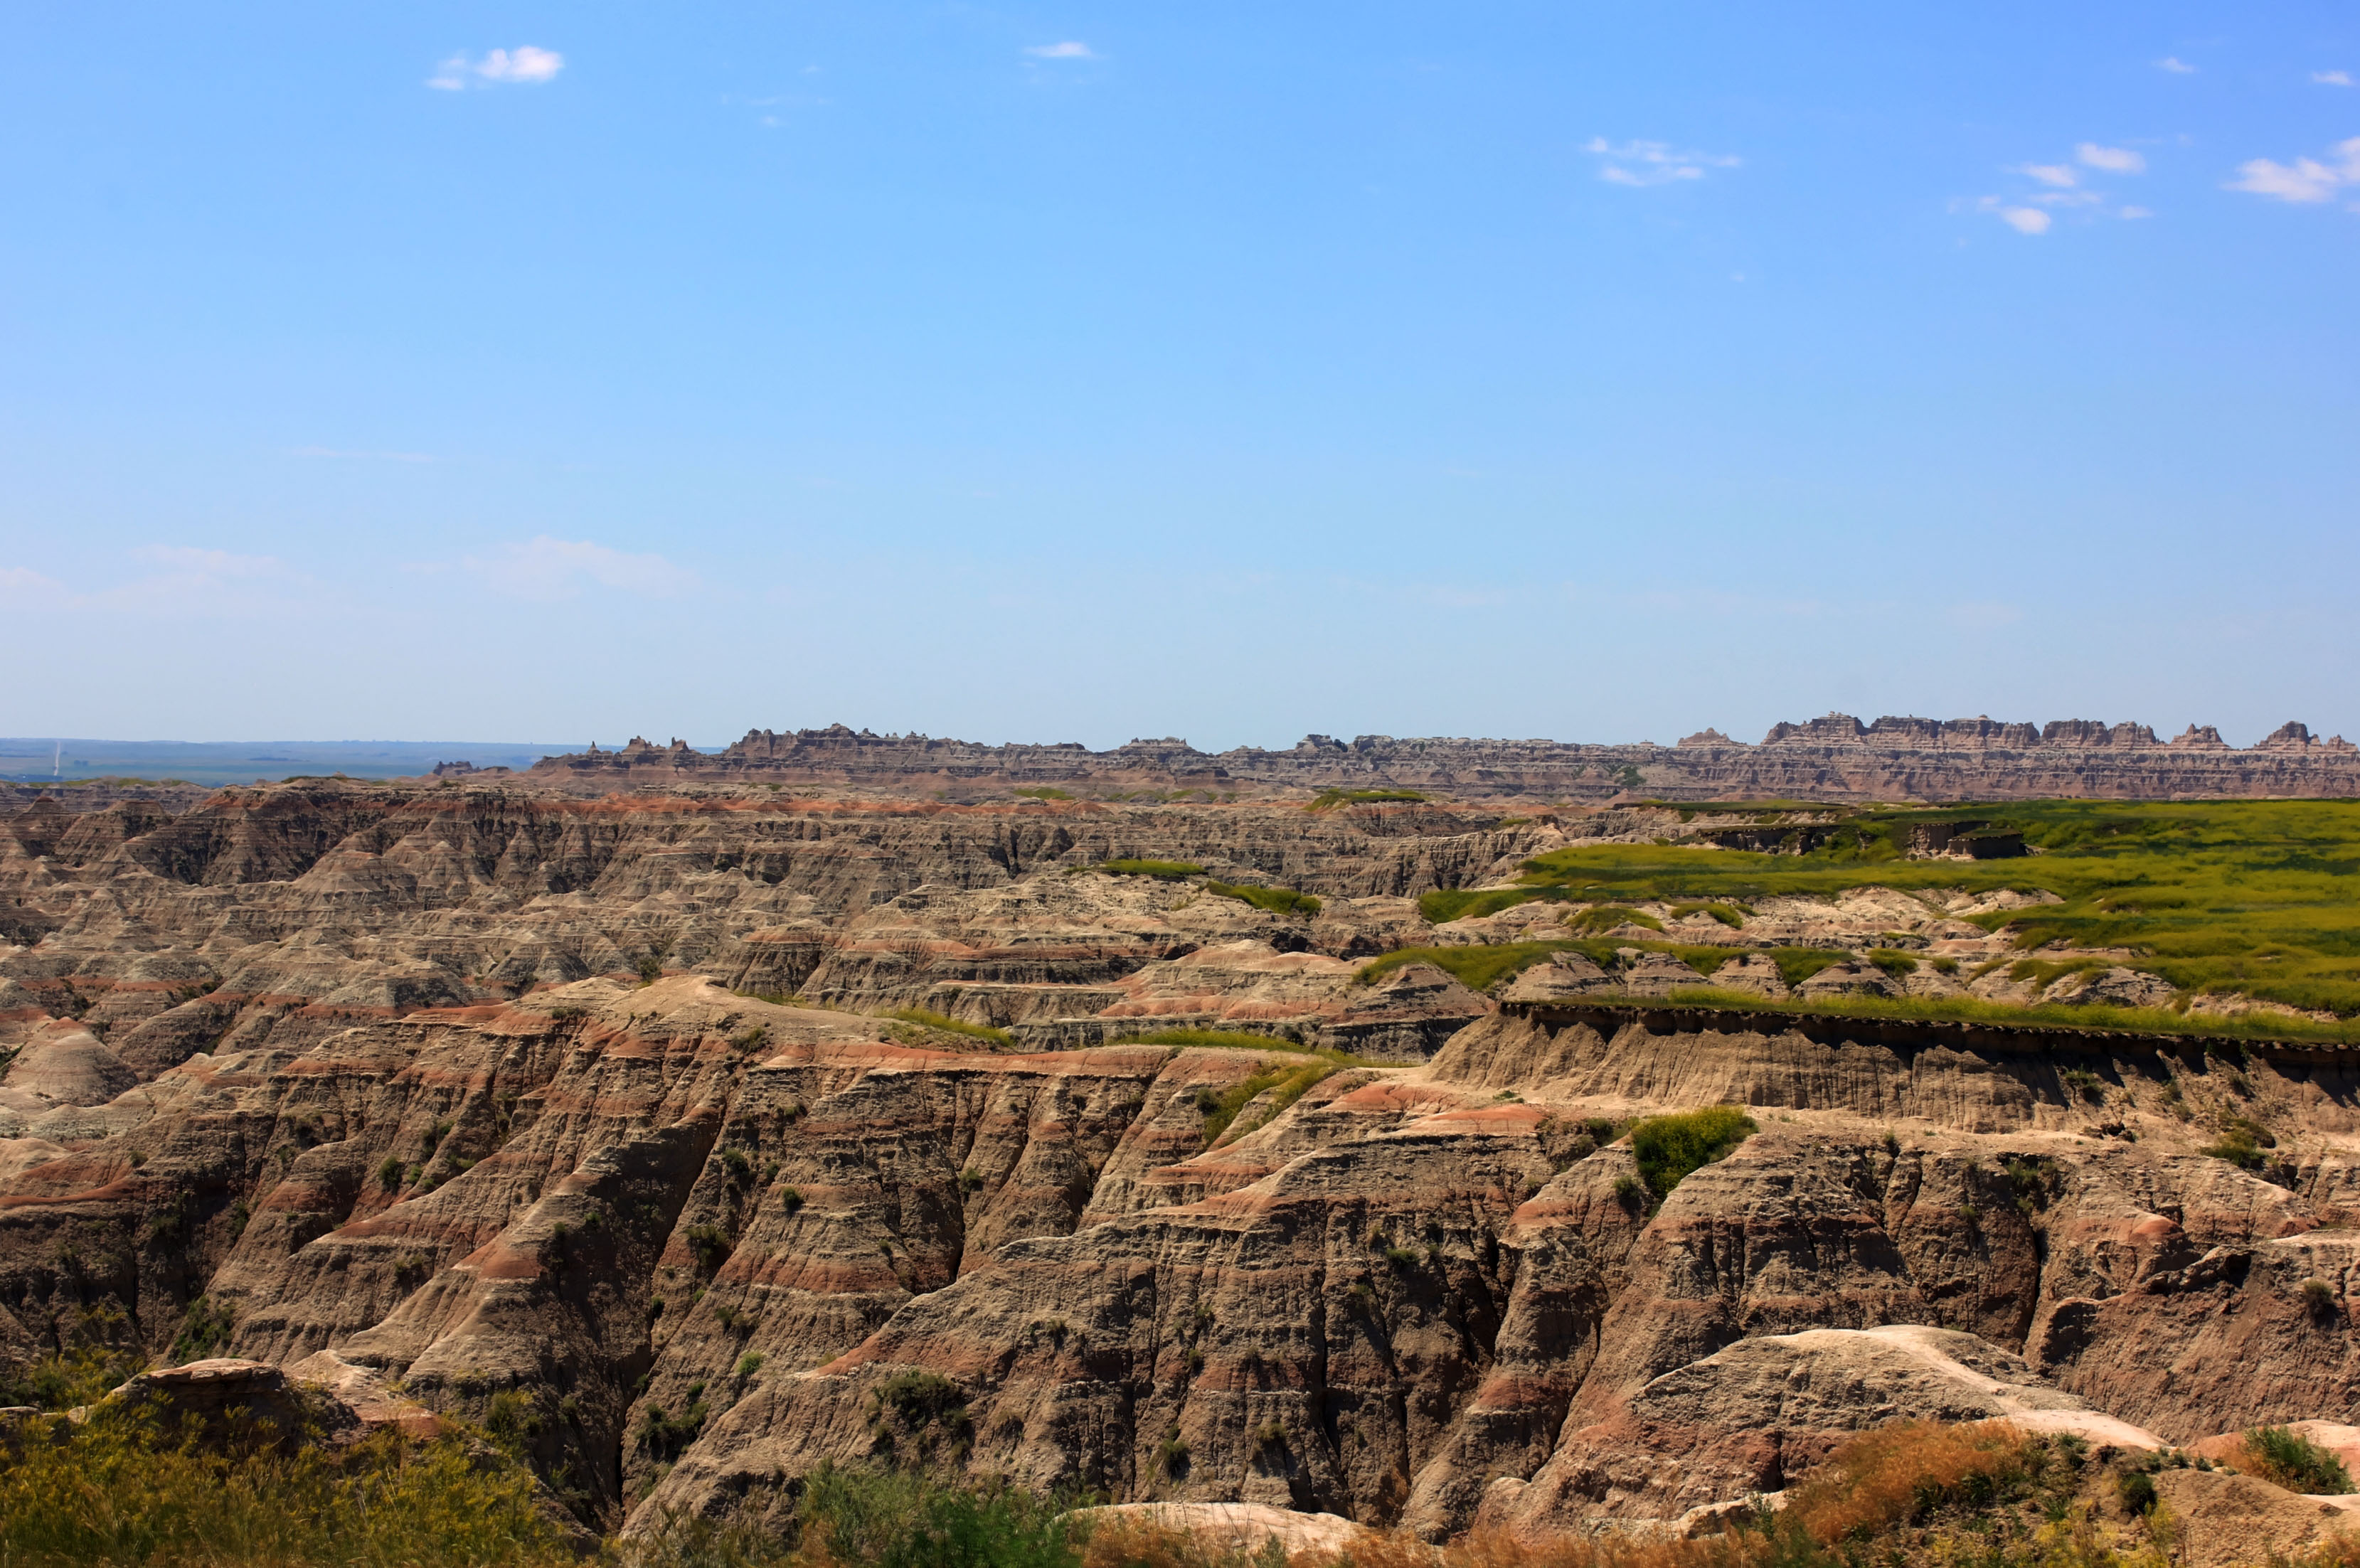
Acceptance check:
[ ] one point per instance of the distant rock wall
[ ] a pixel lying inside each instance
(1832, 759)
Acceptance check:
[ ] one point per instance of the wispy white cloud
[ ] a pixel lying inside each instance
(176, 581)
(522, 64)
(1653, 163)
(1072, 49)
(2331, 78)
(22, 585)
(2305, 180)
(2114, 160)
(2176, 66)
(209, 566)
(546, 568)
(2061, 187)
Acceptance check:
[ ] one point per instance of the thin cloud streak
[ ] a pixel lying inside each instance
(544, 568)
(1643, 163)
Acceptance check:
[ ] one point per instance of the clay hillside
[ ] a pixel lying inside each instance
(1833, 758)
(1316, 1131)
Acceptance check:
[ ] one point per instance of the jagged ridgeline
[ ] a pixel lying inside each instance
(690, 1153)
(1833, 758)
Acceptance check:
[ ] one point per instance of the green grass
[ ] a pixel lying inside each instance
(1328, 799)
(1290, 1082)
(1480, 967)
(1968, 1009)
(1601, 919)
(2248, 897)
(1162, 870)
(925, 1019)
(1447, 904)
(1671, 1148)
(1239, 1040)
(1277, 900)
(1047, 793)
(1477, 968)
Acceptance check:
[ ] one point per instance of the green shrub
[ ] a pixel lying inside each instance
(750, 1364)
(205, 1331)
(1669, 1147)
(79, 1376)
(511, 1419)
(389, 1173)
(709, 1243)
(112, 1491)
(897, 1520)
(1893, 960)
(2136, 1490)
(2287, 1458)
(664, 1437)
(2241, 1143)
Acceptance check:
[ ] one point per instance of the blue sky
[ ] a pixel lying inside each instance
(1079, 372)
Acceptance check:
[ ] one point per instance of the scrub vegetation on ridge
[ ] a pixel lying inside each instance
(2244, 897)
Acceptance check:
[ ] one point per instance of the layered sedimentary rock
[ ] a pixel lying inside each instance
(1833, 758)
(435, 1093)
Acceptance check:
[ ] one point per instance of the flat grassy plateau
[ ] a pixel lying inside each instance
(2256, 899)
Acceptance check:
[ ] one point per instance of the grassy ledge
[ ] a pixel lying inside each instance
(1277, 900)
(1328, 799)
(925, 1019)
(2261, 1028)
(2251, 897)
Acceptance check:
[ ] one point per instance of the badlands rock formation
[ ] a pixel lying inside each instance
(430, 1092)
(1833, 758)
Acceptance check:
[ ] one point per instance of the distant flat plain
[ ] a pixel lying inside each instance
(38, 759)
